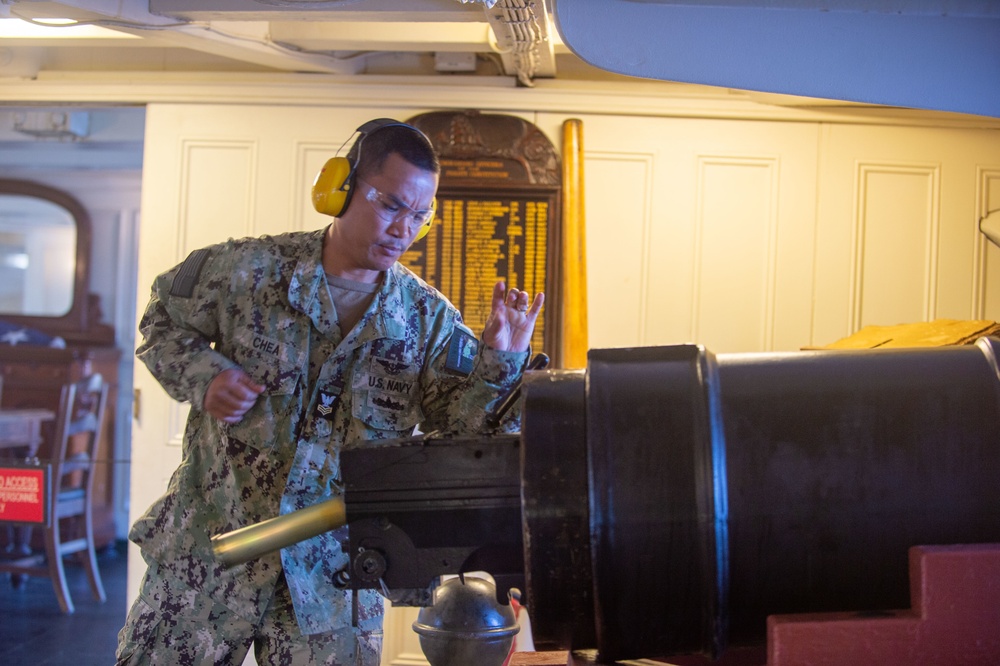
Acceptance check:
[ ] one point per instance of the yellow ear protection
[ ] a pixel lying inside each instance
(335, 182)
(425, 229)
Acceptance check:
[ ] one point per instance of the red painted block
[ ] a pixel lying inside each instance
(955, 619)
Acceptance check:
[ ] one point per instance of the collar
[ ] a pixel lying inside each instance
(308, 293)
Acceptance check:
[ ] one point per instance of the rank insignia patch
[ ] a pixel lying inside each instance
(326, 406)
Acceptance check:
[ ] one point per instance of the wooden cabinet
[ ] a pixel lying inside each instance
(33, 377)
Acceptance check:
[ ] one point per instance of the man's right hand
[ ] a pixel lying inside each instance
(231, 395)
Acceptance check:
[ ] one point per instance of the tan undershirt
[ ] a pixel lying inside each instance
(351, 300)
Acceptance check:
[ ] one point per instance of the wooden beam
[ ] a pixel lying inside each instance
(573, 301)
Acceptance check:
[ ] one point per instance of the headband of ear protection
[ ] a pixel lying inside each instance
(335, 182)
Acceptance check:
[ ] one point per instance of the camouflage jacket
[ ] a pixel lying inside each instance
(263, 305)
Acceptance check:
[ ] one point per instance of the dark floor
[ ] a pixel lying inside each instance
(34, 632)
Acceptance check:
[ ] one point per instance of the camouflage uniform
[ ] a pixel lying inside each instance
(263, 305)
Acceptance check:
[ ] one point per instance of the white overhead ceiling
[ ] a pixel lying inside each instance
(510, 39)
(473, 37)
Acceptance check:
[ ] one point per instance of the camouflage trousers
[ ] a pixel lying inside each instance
(173, 625)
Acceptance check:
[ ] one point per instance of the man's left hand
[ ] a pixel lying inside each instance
(512, 320)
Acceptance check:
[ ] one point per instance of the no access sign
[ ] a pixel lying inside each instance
(24, 494)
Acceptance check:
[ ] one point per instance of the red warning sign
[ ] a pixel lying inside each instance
(24, 496)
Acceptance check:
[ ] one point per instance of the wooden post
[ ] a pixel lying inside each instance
(573, 301)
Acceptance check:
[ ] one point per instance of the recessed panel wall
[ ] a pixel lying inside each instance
(700, 231)
(618, 247)
(897, 227)
(896, 244)
(735, 231)
(217, 191)
(987, 286)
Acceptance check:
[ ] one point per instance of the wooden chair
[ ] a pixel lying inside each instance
(74, 450)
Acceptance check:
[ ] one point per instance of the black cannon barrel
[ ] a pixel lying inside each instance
(667, 500)
(721, 490)
(839, 462)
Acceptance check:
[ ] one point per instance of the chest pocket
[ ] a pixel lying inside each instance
(271, 362)
(387, 392)
(275, 365)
